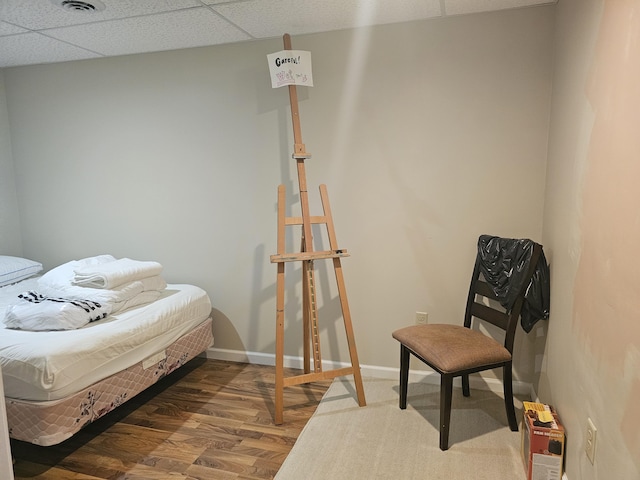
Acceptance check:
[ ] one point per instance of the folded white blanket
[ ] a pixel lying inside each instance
(58, 282)
(37, 313)
(60, 299)
(112, 274)
(62, 275)
(120, 294)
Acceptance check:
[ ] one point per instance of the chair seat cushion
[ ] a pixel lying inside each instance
(452, 348)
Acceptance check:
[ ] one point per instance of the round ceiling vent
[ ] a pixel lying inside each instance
(88, 6)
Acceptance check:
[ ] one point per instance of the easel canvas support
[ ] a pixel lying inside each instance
(307, 255)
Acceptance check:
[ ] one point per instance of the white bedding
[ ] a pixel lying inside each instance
(50, 365)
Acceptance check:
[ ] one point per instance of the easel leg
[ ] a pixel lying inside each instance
(351, 340)
(279, 397)
(279, 400)
(342, 293)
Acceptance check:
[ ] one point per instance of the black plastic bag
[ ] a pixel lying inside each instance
(503, 263)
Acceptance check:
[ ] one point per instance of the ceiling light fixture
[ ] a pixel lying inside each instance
(89, 6)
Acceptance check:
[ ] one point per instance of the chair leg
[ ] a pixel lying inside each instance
(465, 386)
(508, 397)
(404, 375)
(446, 390)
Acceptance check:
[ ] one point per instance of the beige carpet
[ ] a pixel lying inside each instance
(380, 441)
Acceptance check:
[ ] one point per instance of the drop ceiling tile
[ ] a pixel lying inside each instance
(40, 14)
(458, 7)
(269, 18)
(33, 48)
(194, 27)
(8, 29)
(135, 26)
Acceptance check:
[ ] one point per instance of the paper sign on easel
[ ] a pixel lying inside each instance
(290, 67)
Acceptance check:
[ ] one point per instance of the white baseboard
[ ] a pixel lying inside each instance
(491, 384)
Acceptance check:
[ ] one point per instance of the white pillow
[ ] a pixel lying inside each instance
(14, 269)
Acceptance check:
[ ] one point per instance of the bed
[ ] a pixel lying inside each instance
(58, 381)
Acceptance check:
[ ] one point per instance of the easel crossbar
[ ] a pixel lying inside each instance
(300, 221)
(296, 257)
(317, 376)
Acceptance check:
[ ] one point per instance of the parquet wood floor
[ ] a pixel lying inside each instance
(209, 420)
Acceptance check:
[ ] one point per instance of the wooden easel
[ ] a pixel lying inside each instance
(311, 332)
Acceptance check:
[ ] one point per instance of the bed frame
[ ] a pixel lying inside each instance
(51, 422)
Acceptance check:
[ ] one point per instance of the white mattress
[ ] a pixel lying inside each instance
(42, 366)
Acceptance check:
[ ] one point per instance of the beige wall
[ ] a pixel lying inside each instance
(592, 231)
(10, 239)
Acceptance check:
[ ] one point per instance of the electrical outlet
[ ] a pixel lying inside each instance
(590, 446)
(422, 318)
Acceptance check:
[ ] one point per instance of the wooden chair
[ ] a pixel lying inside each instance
(456, 350)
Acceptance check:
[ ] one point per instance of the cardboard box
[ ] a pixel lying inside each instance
(542, 442)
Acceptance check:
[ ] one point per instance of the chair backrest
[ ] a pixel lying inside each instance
(492, 311)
